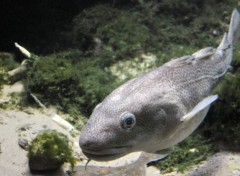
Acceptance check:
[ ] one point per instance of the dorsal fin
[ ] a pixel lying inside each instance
(184, 60)
(205, 53)
(234, 28)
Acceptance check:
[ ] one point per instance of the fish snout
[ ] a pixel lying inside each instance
(95, 150)
(87, 141)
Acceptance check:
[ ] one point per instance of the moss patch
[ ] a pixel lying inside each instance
(69, 81)
(188, 153)
(50, 147)
(7, 63)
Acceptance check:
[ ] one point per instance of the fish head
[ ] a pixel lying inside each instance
(121, 124)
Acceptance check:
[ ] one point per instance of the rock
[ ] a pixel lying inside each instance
(49, 150)
(152, 171)
(23, 143)
(4, 101)
(39, 163)
(24, 127)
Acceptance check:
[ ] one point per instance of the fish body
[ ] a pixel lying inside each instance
(159, 109)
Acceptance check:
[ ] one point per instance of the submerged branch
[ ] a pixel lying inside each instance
(18, 73)
(38, 101)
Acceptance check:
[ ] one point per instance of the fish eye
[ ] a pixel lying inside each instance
(128, 121)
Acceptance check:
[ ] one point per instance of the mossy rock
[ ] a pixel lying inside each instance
(49, 150)
(41, 163)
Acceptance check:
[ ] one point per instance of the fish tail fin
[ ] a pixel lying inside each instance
(234, 28)
(233, 36)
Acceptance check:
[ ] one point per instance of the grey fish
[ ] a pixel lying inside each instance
(156, 110)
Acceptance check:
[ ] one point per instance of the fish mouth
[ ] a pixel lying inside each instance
(106, 154)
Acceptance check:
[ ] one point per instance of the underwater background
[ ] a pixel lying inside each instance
(85, 49)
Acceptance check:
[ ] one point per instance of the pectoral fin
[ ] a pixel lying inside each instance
(163, 155)
(199, 107)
